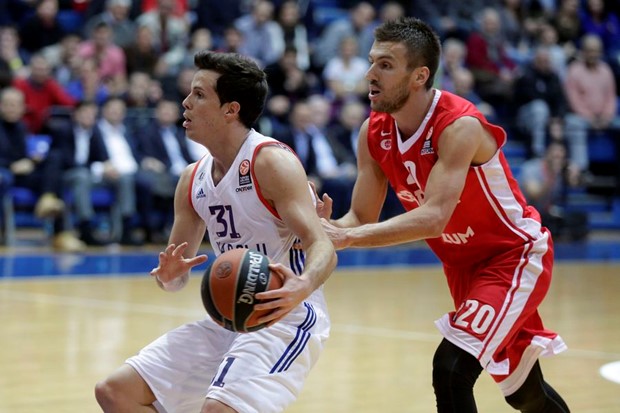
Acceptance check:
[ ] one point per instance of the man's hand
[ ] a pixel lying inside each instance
(323, 205)
(337, 235)
(283, 300)
(172, 264)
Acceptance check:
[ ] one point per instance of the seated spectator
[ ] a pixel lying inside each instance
(120, 168)
(11, 51)
(318, 158)
(344, 133)
(42, 92)
(217, 16)
(38, 171)
(81, 145)
(88, 86)
(263, 39)
(493, 70)
(169, 31)
(110, 58)
(286, 78)
(63, 59)
(539, 95)
(545, 182)
(452, 58)
(164, 156)
(294, 32)
(116, 16)
(463, 81)
(360, 17)
(567, 24)
(590, 88)
(548, 38)
(142, 55)
(390, 10)
(42, 28)
(345, 74)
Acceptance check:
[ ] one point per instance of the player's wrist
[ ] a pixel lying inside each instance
(175, 284)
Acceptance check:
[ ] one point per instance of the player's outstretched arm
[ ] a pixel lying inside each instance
(188, 229)
(459, 146)
(284, 184)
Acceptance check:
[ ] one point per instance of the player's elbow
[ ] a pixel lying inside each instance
(436, 225)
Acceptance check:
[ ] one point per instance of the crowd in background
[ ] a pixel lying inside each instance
(98, 84)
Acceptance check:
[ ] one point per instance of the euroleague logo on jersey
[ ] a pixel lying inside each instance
(427, 148)
(244, 173)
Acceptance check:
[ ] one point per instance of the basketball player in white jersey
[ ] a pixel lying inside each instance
(444, 161)
(250, 191)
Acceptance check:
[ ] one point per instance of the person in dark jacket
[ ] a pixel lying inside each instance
(540, 99)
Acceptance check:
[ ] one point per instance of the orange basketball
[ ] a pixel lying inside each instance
(229, 286)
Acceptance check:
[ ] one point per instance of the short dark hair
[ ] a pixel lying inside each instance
(422, 43)
(241, 80)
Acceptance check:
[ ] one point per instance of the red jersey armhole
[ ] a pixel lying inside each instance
(258, 190)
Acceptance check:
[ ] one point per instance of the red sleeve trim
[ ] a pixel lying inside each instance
(259, 193)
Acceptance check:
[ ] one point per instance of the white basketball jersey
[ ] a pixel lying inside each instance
(235, 211)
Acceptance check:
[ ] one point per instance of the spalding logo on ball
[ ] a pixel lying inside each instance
(229, 287)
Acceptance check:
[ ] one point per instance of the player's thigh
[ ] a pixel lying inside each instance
(126, 381)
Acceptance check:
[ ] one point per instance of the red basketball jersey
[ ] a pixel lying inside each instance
(491, 217)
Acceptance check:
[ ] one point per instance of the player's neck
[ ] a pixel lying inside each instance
(412, 114)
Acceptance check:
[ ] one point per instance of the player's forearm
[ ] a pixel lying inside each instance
(321, 259)
(397, 230)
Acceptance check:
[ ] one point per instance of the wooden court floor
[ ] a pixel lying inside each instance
(60, 336)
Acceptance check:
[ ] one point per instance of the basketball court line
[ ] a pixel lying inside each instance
(119, 306)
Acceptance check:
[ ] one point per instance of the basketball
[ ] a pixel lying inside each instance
(229, 286)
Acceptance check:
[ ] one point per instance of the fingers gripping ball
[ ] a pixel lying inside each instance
(229, 287)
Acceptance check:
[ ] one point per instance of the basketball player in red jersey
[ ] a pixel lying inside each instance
(444, 161)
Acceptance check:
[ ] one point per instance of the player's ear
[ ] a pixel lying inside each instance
(233, 108)
(421, 74)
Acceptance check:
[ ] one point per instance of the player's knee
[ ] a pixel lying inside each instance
(215, 406)
(454, 368)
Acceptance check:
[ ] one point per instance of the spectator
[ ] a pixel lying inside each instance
(390, 10)
(116, 16)
(343, 134)
(286, 78)
(110, 58)
(463, 81)
(493, 70)
(360, 17)
(81, 144)
(263, 39)
(12, 53)
(539, 95)
(567, 23)
(42, 92)
(591, 92)
(169, 31)
(345, 74)
(294, 32)
(450, 18)
(165, 155)
(120, 168)
(519, 27)
(548, 37)
(452, 59)
(316, 154)
(598, 18)
(63, 58)
(88, 86)
(217, 16)
(42, 28)
(172, 62)
(141, 54)
(545, 182)
(38, 171)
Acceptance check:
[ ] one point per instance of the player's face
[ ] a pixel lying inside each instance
(388, 76)
(203, 111)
